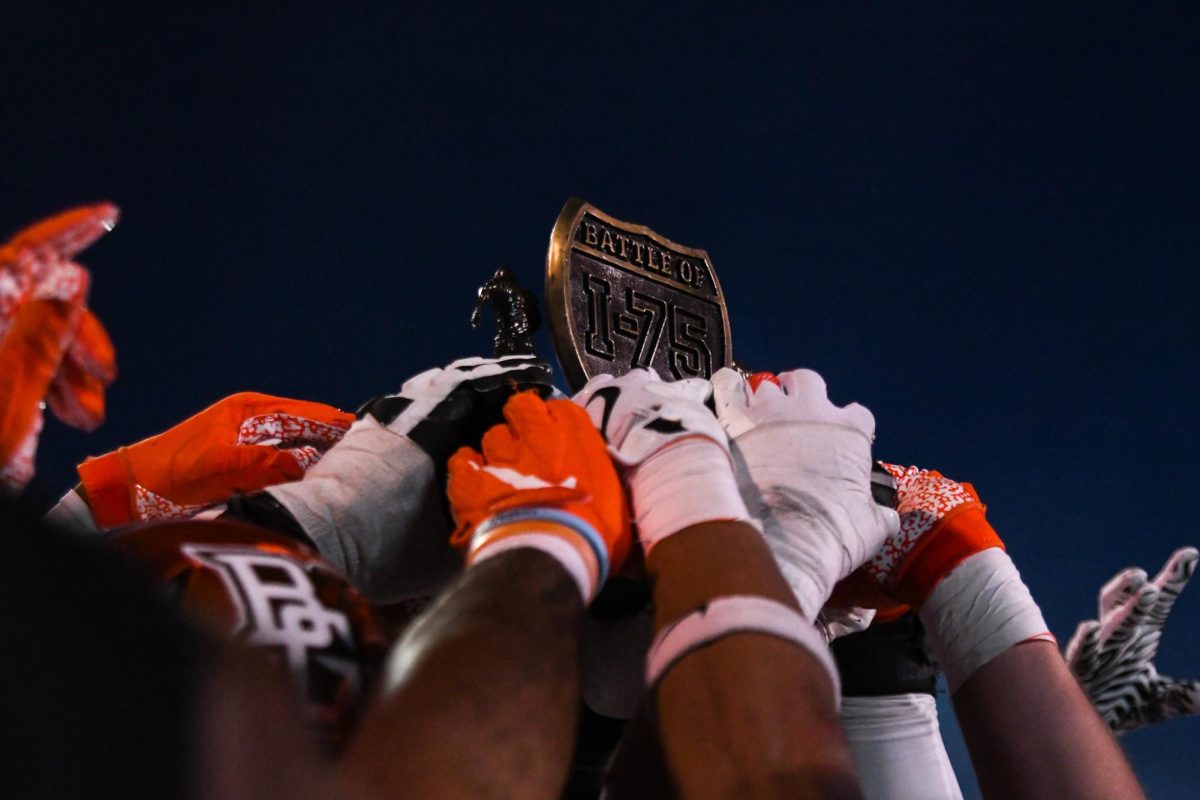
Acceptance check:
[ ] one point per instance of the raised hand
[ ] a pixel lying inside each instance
(375, 506)
(805, 474)
(675, 455)
(243, 443)
(543, 476)
(51, 347)
(1113, 656)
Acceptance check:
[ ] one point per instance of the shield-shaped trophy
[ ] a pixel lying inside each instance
(621, 296)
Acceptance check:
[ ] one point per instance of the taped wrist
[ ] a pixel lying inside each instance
(979, 611)
(685, 484)
(366, 505)
(566, 537)
(725, 616)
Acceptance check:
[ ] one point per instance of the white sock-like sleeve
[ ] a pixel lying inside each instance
(373, 509)
(897, 748)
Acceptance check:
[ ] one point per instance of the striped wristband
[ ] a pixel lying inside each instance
(567, 538)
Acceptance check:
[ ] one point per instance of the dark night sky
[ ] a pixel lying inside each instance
(980, 223)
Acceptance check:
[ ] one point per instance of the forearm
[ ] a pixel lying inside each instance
(750, 714)
(1033, 734)
(481, 695)
(1031, 731)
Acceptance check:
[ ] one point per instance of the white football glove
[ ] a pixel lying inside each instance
(375, 504)
(804, 470)
(674, 452)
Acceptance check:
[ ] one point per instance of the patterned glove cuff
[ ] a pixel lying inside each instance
(961, 533)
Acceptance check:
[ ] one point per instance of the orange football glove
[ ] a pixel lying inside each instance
(88, 367)
(244, 443)
(51, 347)
(30, 353)
(941, 523)
(546, 471)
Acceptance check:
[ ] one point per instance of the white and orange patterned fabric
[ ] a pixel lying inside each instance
(942, 523)
(52, 348)
(244, 443)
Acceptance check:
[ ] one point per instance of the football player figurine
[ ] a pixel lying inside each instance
(516, 310)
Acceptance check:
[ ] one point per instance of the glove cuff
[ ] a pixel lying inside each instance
(108, 481)
(962, 533)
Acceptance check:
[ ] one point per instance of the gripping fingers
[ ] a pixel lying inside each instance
(697, 390)
(860, 418)
(731, 396)
(526, 413)
(499, 443)
(802, 383)
(809, 388)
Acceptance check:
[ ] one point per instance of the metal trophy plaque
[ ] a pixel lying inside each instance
(621, 296)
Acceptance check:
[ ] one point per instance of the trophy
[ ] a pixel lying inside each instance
(622, 297)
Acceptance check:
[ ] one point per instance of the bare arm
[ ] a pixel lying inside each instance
(1029, 727)
(482, 693)
(750, 715)
(740, 713)
(1033, 734)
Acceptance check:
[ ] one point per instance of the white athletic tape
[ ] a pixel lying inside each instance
(736, 614)
(686, 483)
(372, 508)
(978, 611)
